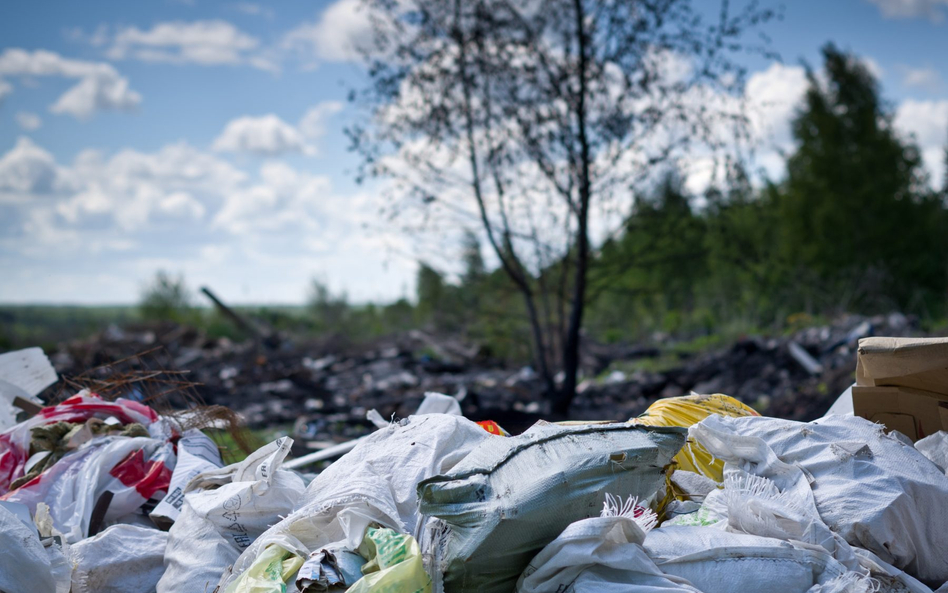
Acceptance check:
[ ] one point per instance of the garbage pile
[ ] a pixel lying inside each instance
(698, 494)
(326, 387)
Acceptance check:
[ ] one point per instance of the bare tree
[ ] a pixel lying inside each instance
(537, 118)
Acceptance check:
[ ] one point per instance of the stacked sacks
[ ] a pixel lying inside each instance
(849, 487)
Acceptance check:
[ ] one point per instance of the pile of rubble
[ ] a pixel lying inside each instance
(323, 388)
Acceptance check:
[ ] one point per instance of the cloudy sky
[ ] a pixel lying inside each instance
(206, 138)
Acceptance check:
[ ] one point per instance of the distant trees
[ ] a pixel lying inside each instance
(537, 117)
(165, 298)
(856, 210)
(855, 226)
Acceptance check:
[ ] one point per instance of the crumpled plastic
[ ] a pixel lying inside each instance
(394, 564)
(15, 442)
(689, 410)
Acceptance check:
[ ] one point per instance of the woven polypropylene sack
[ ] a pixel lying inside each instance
(717, 561)
(598, 555)
(511, 497)
(876, 491)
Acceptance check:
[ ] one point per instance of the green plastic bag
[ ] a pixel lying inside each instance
(394, 564)
(269, 573)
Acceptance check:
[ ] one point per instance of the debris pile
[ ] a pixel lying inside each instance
(325, 387)
(699, 493)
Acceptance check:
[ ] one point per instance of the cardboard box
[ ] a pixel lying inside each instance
(903, 384)
(915, 413)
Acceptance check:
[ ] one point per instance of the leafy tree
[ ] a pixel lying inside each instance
(531, 116)
(856, 215)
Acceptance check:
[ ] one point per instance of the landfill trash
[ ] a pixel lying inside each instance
(871, 488)
(935, 448)
(15, 442)
(601, 554)
(325, 386)
(326, 570)
(686, 411)
(223, 512)
(129, 470)
(394, 564)
(437, 502)
(512, 496)
(121, 559)
(373, 485)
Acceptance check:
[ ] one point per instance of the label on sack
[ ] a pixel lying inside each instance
(196, 454)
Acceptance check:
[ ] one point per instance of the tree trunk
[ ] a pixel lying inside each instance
(567, 390)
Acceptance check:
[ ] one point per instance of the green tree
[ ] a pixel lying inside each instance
(856, 217)
(331, 311)
(166, 297)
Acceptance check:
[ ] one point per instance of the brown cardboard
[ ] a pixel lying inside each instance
(913, 412)
(916, 363)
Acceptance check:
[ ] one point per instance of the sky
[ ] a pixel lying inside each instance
(206, 138)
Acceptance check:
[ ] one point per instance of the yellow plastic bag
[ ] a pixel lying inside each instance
(269, 573)
(394, 564)
(692, 409)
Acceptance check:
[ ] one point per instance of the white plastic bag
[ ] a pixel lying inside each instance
(602, 554)
(121, 559)
(871, 488)
(224, 511)
(374, 484)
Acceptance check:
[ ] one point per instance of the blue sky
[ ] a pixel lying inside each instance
(207, 138)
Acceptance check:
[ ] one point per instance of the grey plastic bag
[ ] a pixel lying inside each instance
(511, 497)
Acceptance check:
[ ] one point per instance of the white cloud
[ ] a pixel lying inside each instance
(27, 168)
(267, 135)
(100, 86)
(105, 222)
(925, 78)
(28, 121)
(927, 121)
(252, 9)
(932, 10)
(313, 123)
(774, 95)
(5, 89)
(338, 35)
(208, 43)
(181, 205)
